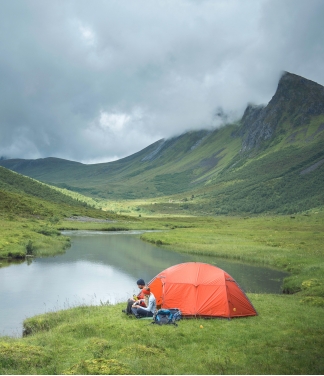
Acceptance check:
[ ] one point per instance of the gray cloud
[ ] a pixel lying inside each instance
(96, 81)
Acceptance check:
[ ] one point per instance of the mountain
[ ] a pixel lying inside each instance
(23, 196)
(296, 102)
(272, 160)
(165, 167)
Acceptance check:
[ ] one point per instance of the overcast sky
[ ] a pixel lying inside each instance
(94, 81)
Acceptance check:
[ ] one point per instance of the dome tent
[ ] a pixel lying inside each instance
(200, 289)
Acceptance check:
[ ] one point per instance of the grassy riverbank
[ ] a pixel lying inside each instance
(290, 243)
(286, 338)
(22, 236)
(39, 236)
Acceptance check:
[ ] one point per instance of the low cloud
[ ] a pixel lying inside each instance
(98, 81)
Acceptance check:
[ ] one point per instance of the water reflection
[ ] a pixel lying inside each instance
(101, 267)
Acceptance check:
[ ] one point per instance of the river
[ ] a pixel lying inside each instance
(100, 268)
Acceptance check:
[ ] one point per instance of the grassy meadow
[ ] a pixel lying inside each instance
(32, 238)
(287, 337)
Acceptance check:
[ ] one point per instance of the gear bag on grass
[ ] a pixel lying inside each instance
(167, 316)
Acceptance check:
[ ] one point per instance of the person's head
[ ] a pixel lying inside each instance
(146, 290)
(140, 283)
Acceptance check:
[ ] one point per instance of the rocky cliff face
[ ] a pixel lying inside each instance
(296, 101)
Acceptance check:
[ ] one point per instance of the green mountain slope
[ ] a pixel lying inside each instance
(272, 160)
(165, 167)
(29, 211)
(23, 196)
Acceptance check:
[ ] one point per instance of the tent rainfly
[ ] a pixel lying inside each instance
(202, 290)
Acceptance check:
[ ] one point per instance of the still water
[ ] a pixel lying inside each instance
(101, 267)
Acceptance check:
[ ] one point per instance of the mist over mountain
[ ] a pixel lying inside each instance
(271, 160)
(297, 100)
(97, 83)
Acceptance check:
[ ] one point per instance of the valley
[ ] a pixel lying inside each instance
(251, 191)
(270, 161)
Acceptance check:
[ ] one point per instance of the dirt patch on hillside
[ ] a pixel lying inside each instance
(88, 219)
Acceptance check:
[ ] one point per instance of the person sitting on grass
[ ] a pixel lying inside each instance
(138, 297)
(151, 305)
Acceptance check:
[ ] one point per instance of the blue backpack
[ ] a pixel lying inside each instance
(167, 316)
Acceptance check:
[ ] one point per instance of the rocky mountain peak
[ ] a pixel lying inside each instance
(300, 97)
(296, 100)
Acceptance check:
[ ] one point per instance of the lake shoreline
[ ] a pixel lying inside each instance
(285, 338)
(93, 259)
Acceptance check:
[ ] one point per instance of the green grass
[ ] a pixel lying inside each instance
(29, 212)
(290, 243)
(286, 337)
(38, 237)
(11, 182)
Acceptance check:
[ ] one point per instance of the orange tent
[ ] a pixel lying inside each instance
(199, 289)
